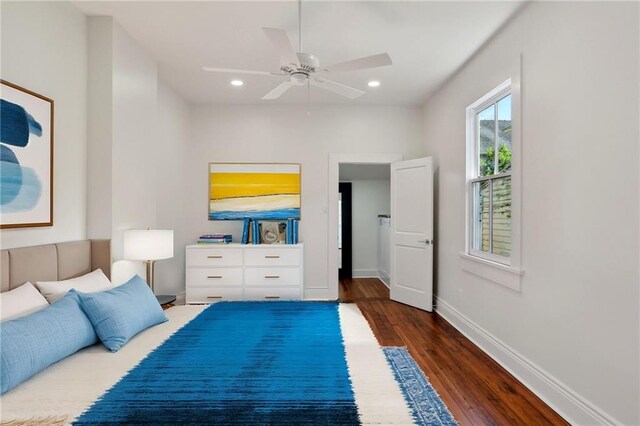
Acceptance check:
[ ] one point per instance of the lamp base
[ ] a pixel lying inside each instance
(150, 272)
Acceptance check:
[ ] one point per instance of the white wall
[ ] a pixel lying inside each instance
(135, 139)
(288, 134)
(100, 127)
(124, 159)
(138, 142)
(369, 198)
(34, 35)
(172, 156)
(576, 319)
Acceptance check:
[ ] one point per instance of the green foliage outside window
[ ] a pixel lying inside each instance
(487, 162)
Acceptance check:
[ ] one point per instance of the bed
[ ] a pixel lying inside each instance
(73, 387)
(53, 262)
(64, 390)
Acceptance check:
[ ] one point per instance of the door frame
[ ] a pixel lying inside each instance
(346, 269)
(335, 159)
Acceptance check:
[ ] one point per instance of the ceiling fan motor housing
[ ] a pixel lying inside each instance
(308, 64)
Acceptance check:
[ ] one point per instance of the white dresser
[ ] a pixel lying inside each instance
(244, 272)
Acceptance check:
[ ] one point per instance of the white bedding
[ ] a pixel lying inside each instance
(68, 387)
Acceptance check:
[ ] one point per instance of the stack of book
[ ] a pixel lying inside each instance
(215, 239)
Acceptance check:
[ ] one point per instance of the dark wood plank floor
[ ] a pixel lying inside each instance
(476, 389)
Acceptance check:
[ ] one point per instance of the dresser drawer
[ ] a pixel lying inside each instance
(214, 257)
(213, 294)
(272, 276)
(214, 276)
(272, 293)
(272, 257)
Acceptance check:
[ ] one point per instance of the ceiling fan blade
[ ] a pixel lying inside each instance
(235, 71)
(374, 61)
(278, 91)
(281, 42)
(338, 88)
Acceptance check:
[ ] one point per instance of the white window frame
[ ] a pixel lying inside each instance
(499, 269)
(473, 174)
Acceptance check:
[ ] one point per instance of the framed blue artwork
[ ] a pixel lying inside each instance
(26, 158)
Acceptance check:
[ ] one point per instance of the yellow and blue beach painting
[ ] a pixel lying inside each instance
(254, 191)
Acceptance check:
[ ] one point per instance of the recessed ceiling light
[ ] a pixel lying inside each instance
(374, 83)
(237, 83)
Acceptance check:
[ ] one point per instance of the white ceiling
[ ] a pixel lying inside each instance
(350, 172)
(427, 42)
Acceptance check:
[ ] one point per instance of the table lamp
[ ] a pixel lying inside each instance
(148, 246)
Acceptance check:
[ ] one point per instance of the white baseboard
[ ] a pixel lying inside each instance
(385, 280)
(316, 294)
(569, 404)
(364, 273)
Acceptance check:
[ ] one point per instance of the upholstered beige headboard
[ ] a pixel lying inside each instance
(53, 262)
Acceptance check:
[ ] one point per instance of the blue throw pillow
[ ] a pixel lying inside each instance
(31, 343)
(119, 314)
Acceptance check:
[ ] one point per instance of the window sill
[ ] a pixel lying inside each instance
(504, 275)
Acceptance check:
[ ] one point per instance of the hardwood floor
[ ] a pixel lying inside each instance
(476, 389)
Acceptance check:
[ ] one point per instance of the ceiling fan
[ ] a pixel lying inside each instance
(304, 68)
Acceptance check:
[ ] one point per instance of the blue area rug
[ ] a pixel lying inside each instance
(426, 405)
(252, 363)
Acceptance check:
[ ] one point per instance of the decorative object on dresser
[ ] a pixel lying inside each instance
(265, 191)
(244, 272)
(148, 246)
(215, 239)
(26, 158)
(270, 232)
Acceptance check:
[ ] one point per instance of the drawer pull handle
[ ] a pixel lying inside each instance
(272, 297)
(214, 297)
(215, 256)
(272, 256)
(272, 277)
(214, 277)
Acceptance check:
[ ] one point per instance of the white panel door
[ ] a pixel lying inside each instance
(412, 232)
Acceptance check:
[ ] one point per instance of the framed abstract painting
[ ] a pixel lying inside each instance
(26, 158)
(262, 191)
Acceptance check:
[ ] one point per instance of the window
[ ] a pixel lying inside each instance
(489, 182)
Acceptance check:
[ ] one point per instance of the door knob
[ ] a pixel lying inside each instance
(425, 241)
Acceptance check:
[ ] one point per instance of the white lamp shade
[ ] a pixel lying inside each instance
(151, 244)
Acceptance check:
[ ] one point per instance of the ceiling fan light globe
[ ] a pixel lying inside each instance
(299, 79)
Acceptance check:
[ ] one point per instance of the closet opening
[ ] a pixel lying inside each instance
(336, 160)
(363, 230)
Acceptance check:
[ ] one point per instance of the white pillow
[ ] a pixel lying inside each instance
(20, 302)
(92, 282)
